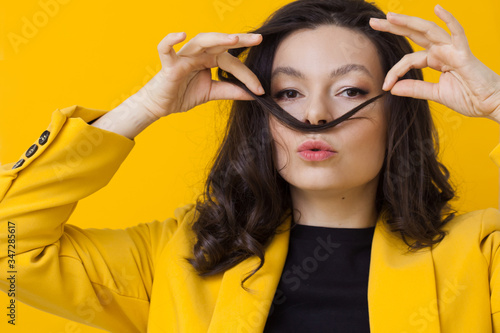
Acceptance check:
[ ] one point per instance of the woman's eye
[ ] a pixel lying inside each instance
(354, 92)
(286, 94)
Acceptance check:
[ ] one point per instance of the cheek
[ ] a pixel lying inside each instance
(367, 145)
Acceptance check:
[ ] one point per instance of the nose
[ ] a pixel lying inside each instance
(318, 111)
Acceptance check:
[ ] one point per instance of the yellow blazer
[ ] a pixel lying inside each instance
(136, 279)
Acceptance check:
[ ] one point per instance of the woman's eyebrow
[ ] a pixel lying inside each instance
(287, 70)
(342, 70)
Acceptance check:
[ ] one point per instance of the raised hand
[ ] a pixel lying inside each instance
(185, 79)
(466, 85)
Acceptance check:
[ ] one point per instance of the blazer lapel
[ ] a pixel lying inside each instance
(401, 289)
(237, 310)
(402, 286)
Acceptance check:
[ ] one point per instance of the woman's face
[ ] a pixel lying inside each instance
(317, 76)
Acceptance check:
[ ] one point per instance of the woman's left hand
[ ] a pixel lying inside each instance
(466, 85)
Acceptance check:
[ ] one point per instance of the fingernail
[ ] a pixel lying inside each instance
(261, 90)
(384, 86)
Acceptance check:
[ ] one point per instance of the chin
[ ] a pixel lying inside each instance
(318, 186)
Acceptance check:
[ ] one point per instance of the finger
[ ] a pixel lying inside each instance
(429, 29)
(201, 42)
(457, 31)
(234, 66)
(226, 90)
(244, 40)
(166, 48)
(416, 89)
(386, 26)
(409, 61)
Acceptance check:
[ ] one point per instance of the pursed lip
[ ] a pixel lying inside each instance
(316, 145)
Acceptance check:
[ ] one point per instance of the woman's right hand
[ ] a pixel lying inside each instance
(185, 79)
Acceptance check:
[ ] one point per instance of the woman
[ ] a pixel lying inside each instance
(364, 194)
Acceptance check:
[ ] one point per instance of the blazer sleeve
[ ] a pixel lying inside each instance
(99, 277)
(491, 249)
(490, 246)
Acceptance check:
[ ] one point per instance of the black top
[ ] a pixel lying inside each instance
(324, 284)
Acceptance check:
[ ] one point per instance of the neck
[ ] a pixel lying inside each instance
(353, 208)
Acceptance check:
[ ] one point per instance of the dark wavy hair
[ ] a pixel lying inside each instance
(246, 199)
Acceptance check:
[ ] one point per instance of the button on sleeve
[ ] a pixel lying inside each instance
(44, 137)
(32, 150)
(18, 164)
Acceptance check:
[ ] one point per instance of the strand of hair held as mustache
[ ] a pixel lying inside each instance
(266, 102)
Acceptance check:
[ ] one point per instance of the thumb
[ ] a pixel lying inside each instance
(415, 89)
(226, 90)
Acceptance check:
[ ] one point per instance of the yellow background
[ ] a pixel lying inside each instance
(96, 53)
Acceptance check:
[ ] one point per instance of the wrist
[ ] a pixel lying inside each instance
(140, 105)
(495, 115)
(127, 119)
(149, 97)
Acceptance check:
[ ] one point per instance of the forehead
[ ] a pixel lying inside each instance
(328, 45)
